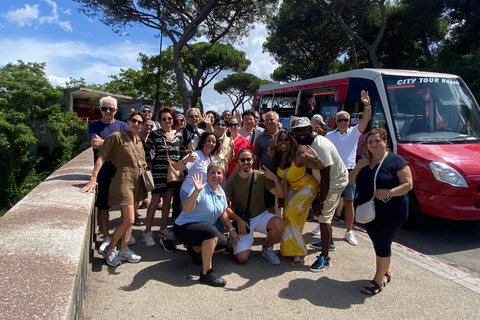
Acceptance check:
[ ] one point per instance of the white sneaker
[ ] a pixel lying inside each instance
(270, 255)
(112, 257)
(350, 237)
(163, 232)
(148, 239)
(105, 243)
(132, 240)
(129, 256)
(316, 231)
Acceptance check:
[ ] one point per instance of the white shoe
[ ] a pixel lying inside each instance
(105, 243)
(148, 239)
(350, 237)
(316, 231)
(270, 255)
(129, 256)
(163, 232)
(132, 240)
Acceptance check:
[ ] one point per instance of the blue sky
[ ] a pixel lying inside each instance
(73, 45)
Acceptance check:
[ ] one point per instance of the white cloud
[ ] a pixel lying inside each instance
(24, 16)
(68, 12)
(31, 14)
(75, 59)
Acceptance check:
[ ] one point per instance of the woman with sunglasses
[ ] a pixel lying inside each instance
(291, 162)
(180, 122)
(159, 142)
(191, 133)
(127, 188)
(239, 142)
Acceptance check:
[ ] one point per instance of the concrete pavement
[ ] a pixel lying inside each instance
(165, 285)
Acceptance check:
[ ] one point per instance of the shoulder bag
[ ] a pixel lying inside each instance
(146, 174)
(173, 175)
(366, 212)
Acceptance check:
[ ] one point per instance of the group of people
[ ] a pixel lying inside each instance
(226, 175)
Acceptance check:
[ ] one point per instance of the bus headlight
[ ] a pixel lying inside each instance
(444, 173)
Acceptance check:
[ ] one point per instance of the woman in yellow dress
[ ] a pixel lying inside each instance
(291, 163)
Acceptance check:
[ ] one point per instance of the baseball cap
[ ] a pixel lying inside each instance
(301, 122)
(319, 118)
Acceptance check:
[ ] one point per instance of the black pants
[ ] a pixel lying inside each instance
(195, 233)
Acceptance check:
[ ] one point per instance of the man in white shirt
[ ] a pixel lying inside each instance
(345, 140)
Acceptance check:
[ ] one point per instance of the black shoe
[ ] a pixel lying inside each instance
(196, 256)
(212, 279)
(168, 245)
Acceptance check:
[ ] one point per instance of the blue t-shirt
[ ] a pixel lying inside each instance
(103, 130)
(209, 207)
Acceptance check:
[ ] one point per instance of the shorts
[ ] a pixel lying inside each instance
(194, 234)
(349, 192)
(257, 223)
(331, 203)
(102, 193)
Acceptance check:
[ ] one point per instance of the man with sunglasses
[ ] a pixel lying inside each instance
(345, 140)
(98, 131)
(238, 191)
(148, 113)
(332, 180)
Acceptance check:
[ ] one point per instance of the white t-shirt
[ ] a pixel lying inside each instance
(198, 166)
(346, 144)
(330, 157)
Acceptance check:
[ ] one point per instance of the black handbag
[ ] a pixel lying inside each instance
(245, 216)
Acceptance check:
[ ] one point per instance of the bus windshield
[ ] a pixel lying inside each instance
(432, 109)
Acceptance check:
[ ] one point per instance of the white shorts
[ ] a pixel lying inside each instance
(259, 224)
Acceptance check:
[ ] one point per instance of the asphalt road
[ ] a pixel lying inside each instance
(456, 243)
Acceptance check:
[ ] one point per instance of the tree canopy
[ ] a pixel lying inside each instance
(239, 87)
(30, 111)
(184, 21)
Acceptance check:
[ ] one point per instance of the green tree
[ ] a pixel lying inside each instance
(27, 101)
(299, 42)
(239, 87)
(141, 84)
(184, 21)
(200, 71)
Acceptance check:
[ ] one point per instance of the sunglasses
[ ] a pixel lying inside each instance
(343, 120)
(193, 116)
(283, 139)
(245, 159)
(105, 109)
(134, 121)
(220, 124)
(227, 115)
(167, 119)
(147, 111)
(232, 125)
(180, 120)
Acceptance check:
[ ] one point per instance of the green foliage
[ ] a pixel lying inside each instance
(239, 87)
(27, 103)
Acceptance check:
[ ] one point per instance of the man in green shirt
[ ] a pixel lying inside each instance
(237, 191)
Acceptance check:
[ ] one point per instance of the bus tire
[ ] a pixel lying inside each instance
(415, 216)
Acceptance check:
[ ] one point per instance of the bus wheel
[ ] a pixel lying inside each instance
(415, 216)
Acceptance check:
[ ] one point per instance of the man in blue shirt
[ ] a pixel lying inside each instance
(98, 131)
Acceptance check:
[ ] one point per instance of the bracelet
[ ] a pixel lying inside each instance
(231, 229)
(196, 192)
(368, 104)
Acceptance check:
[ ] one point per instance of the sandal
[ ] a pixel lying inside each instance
(389, 278)
(371, 291)
(297, 262)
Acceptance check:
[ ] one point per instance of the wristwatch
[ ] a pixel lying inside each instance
(231, 229)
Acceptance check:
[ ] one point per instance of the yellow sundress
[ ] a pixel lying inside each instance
(302, 188)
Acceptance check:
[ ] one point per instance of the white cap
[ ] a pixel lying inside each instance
(318, 118)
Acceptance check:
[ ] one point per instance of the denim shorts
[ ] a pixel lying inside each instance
(349, 192)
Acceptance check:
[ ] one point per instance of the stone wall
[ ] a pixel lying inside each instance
(46, 246)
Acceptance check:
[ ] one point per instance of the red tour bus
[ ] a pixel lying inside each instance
(432, 120)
